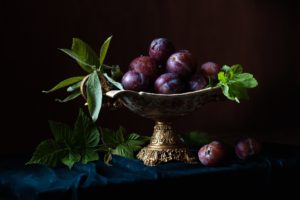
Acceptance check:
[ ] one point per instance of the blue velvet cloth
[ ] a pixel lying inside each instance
(269, 172)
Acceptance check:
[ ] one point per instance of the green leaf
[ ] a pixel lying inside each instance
(237, 92)
(74, 87)
(109, 137)
(59, 130)
(115, 83)
(72, 96)
(103, 50)
(120, 135)
(70, 159)
(94, 95)
(225, 68)
(222, 78)
(236, 69)
(123, 150)
(246, 80)
(89, 155)
(117, 144)
(65, 83)
(86, 132)
(83, 64)
(88, 137)
(47, 153)
(69, 145)
(135, 141)
(85, 53)
(113, 138)
(234, 82)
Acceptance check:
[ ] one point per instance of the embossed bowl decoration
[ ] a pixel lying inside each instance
(165, 144)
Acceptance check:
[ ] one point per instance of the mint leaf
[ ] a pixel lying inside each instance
(115, 83)
(72, 96)
(222, 78)
(94, 95)
(65, 83)
(48, 153)
(234, 83)
(82, 63)
(103, 50)
(70, 159)
(245, 80)
(236, 69)
(236, 92)
(225, 68)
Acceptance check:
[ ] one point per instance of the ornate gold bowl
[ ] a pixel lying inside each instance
(165, 145)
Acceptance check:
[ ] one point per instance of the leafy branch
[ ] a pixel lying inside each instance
(82, 143)
(70, 145)
(100, 77)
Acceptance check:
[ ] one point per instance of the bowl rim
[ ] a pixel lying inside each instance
(115, 93)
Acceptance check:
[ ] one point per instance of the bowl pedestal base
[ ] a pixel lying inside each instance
(165, 145)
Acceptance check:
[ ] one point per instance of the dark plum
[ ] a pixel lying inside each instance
(212, 154)
(247, 147)
(168, 83)
(145, 65)
(210, 69)
(160, 50)
(181, 63)
(136, 81)
(197, 82)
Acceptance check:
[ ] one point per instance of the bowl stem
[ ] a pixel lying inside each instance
(165, 145)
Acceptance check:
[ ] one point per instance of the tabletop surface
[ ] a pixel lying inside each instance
(276, 167)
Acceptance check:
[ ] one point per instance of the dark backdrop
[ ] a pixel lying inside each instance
(261, 35)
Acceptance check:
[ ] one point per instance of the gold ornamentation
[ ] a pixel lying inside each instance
(163, 135)
(165, 145)
(152, 157)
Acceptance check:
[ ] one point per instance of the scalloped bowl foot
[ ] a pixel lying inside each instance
(152, 157)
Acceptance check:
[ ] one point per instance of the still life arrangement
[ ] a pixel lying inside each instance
(162, 86)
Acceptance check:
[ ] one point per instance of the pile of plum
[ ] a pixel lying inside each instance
(217, 153)
(167, 71)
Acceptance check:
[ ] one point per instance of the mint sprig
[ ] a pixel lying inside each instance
(69, 145)
(234, 82)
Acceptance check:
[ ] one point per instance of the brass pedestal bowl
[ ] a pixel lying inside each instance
(165, 144)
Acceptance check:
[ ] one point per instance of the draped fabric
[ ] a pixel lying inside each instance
(277, 166)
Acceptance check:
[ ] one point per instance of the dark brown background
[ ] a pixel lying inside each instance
(261, 35)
